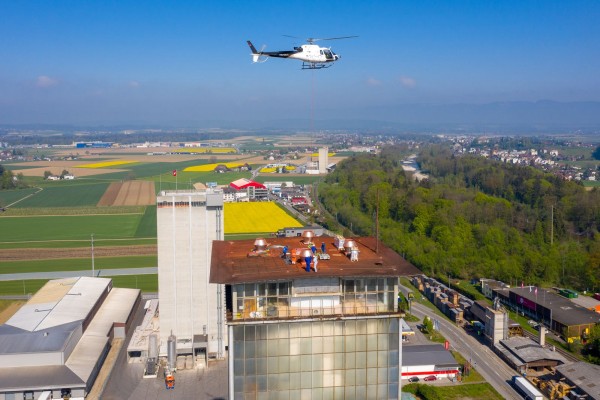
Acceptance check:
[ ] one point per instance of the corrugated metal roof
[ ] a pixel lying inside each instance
(231, 264)
(428, 354)
(16, 341)
(38, 378)
(584, 375)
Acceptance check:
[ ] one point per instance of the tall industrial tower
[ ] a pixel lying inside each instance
(323, 159)
(190, 307)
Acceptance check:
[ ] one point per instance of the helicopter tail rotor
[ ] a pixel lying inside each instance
(257, 56)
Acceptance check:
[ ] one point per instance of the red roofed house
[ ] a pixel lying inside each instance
(256, 190)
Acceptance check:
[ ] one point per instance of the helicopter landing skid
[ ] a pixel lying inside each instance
(306, 65)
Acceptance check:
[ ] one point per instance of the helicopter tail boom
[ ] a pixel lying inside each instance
(255, 54)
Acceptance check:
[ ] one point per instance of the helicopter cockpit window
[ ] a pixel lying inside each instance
(321, 51)
(328, 55)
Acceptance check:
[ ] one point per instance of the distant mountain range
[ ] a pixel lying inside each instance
(518, 117)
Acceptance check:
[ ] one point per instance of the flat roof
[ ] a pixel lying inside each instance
(584, 375)
(528, 351)
(427, 354)
(231, 263)
(563, 310)
(586, 301)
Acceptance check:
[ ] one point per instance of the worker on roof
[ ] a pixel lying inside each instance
(323, 248)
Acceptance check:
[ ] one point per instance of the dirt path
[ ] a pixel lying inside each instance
(75, 252)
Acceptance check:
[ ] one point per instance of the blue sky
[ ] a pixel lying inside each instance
(110, 62)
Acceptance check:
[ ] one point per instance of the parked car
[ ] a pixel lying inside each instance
(414, 379)
(430, 378)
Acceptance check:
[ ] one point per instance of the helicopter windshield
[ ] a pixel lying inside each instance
(328, 54)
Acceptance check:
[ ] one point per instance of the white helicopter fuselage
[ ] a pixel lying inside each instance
(313, 53)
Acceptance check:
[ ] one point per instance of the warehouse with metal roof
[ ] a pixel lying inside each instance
(58, 340)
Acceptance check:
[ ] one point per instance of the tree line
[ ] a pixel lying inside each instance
(472, 218)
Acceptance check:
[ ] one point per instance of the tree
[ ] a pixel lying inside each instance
(596, 153)
(63, 173)
(47, 174)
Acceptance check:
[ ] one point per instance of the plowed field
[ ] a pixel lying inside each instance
(76, 252)
(130, 193)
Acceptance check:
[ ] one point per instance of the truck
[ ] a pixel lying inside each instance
(526, 388)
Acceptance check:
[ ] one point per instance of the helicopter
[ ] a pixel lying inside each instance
(312, 56)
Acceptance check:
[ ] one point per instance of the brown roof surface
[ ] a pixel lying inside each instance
(231, 263)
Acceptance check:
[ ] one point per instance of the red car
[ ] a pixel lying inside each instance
(430, 378)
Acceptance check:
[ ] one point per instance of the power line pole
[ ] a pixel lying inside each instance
(93, 273)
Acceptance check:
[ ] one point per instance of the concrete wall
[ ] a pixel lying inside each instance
(188, 304)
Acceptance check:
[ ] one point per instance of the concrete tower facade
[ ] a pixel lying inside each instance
(190, 307)
(323, 159)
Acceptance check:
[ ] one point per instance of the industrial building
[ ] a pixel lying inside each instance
(59, 339)
(584, 376)
(428, 359)
(190, 308)
(254, 190)
(560, 314)
(308, 323)
(523, 354)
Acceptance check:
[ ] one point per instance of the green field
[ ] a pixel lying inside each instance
(77, 264)
(45, 244)
(22, 287)
(73, 195)
(455, 392)
(10, 196)
(79, 227)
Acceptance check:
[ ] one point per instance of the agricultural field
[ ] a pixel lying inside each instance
(77, 264)
(106, 164)
(69, 194)
(212, 166)
(10, 196)
(265, 217)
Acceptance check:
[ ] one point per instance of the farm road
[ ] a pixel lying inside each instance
(77, 252)
(70, 274)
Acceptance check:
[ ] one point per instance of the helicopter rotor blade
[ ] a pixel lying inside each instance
(333, 38)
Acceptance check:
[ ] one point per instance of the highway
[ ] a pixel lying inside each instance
(486, 362)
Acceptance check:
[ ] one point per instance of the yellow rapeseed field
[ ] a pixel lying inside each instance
(216, 150)
(257, 217)
(210, 167)
(106, 164)
(328, 154)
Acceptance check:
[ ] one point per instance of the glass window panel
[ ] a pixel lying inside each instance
(316, 392)
(393, 374)
(294, 363)
(238, 349)
(284, 364)
(372, 392)
(350, 360)
(359, 285)
(361, 327)
(328, 344)
(239, 307)
(371, 284)
(382, 341)
(392, 282)
(250, 383)
(392, 305)
(328, 361)
(284, 382)
(250, 349)
(393, 327)
(317, 362)
(305, 329)
(261, 332)
(317, 345)
(350, 328)
(361, 342)
(349, 392)
(295, 395)
(350, 377)
(328, 393)
(338, 361)
(338, 392)
(261, 348)
(371, 326)
(338, 328)
(272, 382)
(382, 375)
(272, 289)
(305, 393)
(294, 330)
(295, 380)
(371, 342)
(382, 359)
(348, 286)
(361, 359)
(238, 367)
(381, 285)
(261, 289)
(284, 288)
(261, 382)
(361, 392)
(238, 290)
(350, 343)
(262, 396)
(249, 290)
(273, 331)
(393, 359)
(360, 376)
(250, 367)
(283, 346)
(382, 391)
(327, 328)
(273, 365)
(328, 378)
(338, 378)
(306, 363)
(317, 329)
(393, 391)
(393, 341)
(238, 382)
(306, 379)
(305, 345)
(246, 396)
(261, 366)
(338, 343)
(294, 346)
(371, 359)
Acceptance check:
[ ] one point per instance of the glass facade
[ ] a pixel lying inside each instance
(284, 300)
(316, 360)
